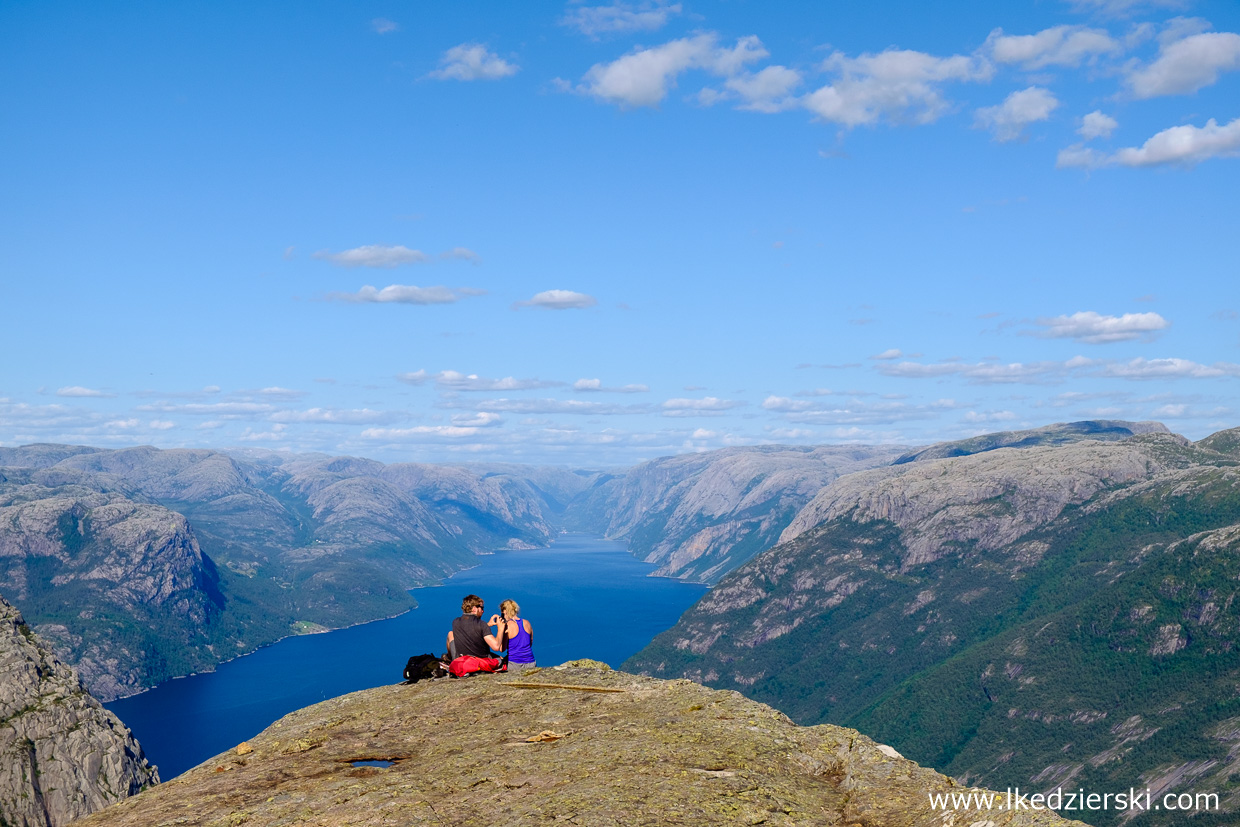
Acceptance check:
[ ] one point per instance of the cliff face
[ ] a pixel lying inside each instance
(1025, 617)
(110, 582)
(577, 744)
(62, 755)
(698, 516)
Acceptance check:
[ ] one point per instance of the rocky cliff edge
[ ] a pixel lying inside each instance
(574, 744)
(62, 755)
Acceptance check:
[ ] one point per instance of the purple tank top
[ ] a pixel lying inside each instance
(521, 647)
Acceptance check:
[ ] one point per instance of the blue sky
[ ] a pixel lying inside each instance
(594, 234)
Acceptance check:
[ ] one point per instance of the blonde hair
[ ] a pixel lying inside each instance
(511, 608)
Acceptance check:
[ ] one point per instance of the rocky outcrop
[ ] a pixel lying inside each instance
(698, 516)
(577, 744)
(62, 755)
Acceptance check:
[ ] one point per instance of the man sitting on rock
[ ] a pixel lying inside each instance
(471, 637)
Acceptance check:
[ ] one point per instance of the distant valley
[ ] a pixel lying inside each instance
(140, 564)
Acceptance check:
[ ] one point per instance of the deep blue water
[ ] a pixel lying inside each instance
(585, 598)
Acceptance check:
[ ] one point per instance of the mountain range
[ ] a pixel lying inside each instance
(1030, 610)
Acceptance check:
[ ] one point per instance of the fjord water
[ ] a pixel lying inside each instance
(585, 597)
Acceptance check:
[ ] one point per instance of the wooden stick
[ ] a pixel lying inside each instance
(516, 685)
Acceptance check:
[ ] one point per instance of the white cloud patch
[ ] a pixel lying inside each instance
(1094, 328)
(643, 77)
(381, 25)
(1008, 120)
(1097, 125)
(558, 300)
(473, 61)
(1056, 46)
(1170, 369)
(461, 253)
(406, 294)
(890, 353)
(481, 419)
(769, 90)
(1181, 145)
(597, 386)
(79, 392)
(1184, 66)
(706, 406)
(374, 255)
(161, 425)
(895, 85)
(548, 406)
(336, 416)
(419, 432)
(454, 381)
(224, 410)
(617, 18)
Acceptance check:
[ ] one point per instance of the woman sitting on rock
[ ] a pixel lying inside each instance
(519, 633)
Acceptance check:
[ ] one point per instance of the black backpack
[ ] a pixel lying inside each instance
(424, 666)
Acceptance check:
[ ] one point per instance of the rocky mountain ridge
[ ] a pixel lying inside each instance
(62, 755)
(577, 743)
(1017, 617)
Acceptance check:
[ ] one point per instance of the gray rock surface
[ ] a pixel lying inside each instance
(62, 755)
(573, 744)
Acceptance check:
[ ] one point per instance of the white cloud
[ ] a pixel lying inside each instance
(1094, 328)
(978, 417)
(1185, 145)
(220, 409)
(596, 385)
(381, 25)
(286, 393)
(1097, 125)
(449, 431)
(472, 61)
(463, 253)
(890, 353)
(558, 300)
(1056, 46)
(481, 419)
(982, 373)
(769, 90)
(77, 391)
(406, 294)
(1171, 411)
(1186, 65)
(454, 381)
(336, 416)
(895, 85)
(124, 424)
(1008, 120)
(643, 77)
(548, 406)
(620, 17)
(161, 425)
(1140, 368)
(374, 255)
(707, 406)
